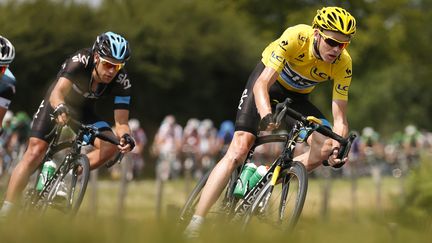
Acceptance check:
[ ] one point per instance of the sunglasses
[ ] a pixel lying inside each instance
(333, 42)
(3, 69)
(108, 65)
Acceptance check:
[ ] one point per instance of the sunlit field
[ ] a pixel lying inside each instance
(100, 220)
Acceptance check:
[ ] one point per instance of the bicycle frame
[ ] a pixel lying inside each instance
(242, 208)
(283, 161)
(82, 138)
(65, 166)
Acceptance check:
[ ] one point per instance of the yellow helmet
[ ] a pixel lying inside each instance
(335, 19)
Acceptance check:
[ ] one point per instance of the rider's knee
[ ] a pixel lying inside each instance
(36, 149)
(236, 156)
(34, 153)
(239, 148)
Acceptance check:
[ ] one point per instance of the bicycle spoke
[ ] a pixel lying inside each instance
(281, 206)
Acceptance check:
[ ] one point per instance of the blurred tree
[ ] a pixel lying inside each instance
(192, 58)
(44, 33)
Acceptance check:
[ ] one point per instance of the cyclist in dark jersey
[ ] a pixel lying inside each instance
(84, 78)
(7, 79)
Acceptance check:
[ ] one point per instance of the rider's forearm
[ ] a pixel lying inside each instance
(262, 99)
(341, 128)
(340, 122)
(261, 90)
(59, 92)
(122, 129)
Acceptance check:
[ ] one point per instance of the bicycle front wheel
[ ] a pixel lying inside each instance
(67, 192)
(78, 183)
(280, 206)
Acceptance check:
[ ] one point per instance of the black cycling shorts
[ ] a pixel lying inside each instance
(43, 124)
(248, 117)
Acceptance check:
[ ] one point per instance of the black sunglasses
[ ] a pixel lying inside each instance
(332, 42)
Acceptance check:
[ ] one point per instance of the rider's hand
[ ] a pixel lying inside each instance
(127, 143)
(267, 123)
(61, 114)
(334, 161)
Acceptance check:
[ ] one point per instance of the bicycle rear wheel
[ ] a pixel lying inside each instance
(281, 206)
(223, 208)
(188, 209)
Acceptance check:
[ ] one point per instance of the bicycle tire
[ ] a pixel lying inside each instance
(75, 190)
(225, 206)
(75, 202)
(283, 205)
(188, 209)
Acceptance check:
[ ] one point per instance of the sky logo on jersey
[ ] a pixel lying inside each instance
(81, 58)
(123, 80)
(342, 89)
(294, 80)
(244, 95)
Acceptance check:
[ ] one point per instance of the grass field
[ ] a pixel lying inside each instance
(100, 222)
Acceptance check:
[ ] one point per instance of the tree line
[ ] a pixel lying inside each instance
(192, 58)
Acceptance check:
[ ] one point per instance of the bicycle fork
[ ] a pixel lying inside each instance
(273, 181)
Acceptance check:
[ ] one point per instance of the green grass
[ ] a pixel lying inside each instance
(138, 223)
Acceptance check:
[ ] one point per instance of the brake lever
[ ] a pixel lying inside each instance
(343, 151)
(280, 111)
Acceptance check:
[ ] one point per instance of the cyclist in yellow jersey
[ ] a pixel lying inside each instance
(291, 66)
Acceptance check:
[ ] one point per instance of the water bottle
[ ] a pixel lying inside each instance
(48, 169)
(256, 177)
(242, 182)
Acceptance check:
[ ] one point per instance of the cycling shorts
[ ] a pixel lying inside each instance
(248, 117)
(43, 124)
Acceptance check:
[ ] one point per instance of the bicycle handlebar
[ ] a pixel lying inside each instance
(105, 137)
(94, 131)
(345, 143)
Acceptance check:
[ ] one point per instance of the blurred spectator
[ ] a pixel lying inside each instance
(225, 136)
(135, 157)
(207, 147)
(166, 147)
(412, 144)
(190, 146)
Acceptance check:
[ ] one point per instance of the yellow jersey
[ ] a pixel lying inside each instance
(299, 70)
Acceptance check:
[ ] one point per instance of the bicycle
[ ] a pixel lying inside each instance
(73, 172)
(279, 196)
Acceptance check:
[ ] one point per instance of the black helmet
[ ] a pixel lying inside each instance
(112, 45)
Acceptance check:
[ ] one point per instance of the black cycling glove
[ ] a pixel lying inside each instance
(265, 121)
(129, 140)
(59, 110)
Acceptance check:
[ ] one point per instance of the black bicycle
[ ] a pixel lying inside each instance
(71, 176)
(279, 196)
